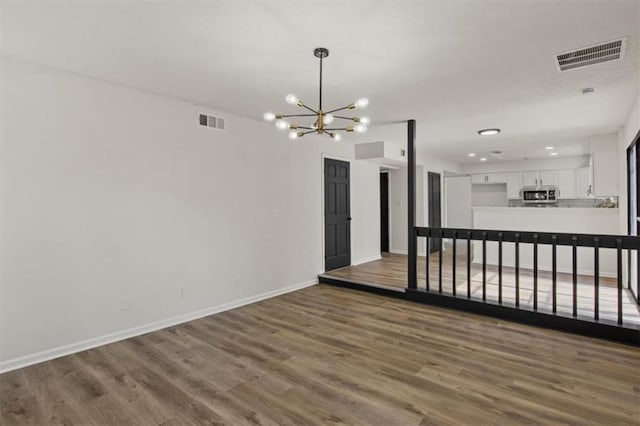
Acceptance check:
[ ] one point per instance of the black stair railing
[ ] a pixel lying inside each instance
(619, 243)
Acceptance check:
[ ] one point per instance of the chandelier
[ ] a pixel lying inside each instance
(322, 119)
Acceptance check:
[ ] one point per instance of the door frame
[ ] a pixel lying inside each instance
(346, 160)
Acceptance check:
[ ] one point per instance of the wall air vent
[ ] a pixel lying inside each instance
(211, 121)
(603, 52)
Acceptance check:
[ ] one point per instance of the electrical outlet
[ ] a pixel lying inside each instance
(125, 303)
(277, 213)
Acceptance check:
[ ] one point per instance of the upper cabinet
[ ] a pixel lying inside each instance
(584, 182)
(566, 182)
(605, 174)
(488, 178)
(514, 185)
(535, 178)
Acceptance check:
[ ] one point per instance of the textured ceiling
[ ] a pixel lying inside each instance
(455, 66)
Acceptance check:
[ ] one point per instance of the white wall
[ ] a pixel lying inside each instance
(109, 192)
(458, 202)
(626, 135)
(531, 164)
(494, 195)
(365, 212)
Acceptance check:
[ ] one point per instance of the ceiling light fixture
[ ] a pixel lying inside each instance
(548, 148)
(322, 118)
(488, 132)
(553, 154)
(483, 159)
(588, 90)
(471, 154)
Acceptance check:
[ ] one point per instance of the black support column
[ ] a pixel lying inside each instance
(412, 239)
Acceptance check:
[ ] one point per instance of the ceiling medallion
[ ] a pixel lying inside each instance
(322, 119)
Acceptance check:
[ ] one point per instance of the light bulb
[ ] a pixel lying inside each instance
(293, 135)
(365, 120)
(292, 99)
(269, 116)
(361, 103)
(281, 124)
(360, 128)
(336, 137)
(328, 118)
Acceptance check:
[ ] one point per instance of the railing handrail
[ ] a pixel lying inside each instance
(511, 236)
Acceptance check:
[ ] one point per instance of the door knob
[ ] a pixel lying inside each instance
(349, 218)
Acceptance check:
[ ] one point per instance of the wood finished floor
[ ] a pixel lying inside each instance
(391, 271)
(326, 355)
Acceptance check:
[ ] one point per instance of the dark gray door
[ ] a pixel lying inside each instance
(384, 212)
(337, 219)
(435, 220)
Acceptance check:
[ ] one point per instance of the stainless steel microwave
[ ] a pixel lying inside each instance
(547, 194)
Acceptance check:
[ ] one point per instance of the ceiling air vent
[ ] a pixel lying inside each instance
(603, 52)
(212, 121)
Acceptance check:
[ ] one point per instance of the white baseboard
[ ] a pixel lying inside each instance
(24, 361)
(396, 251)
(405, 252)
(365, 260)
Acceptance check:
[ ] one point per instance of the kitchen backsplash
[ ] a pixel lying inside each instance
(604, 202)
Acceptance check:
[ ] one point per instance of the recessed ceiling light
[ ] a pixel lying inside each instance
(588, 90)
(471, 154)
(553, 154)
(488, 132)
(483, 159)
(548, 148)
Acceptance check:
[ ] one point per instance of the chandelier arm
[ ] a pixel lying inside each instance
(298, 115)
(305, 128)
(337, 109)
(310, 109)
(310, 131)
(344, 118)
(335, 128)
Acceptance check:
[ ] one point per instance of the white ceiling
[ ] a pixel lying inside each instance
(454, 66)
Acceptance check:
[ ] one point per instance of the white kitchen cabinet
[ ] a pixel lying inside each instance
(605, 174)
(539, 178)
(496, 178)
(566, 182)
(583, 182)
(489, 178)
(514, 185)
(530, 178)
(477, 179)
(548, 177)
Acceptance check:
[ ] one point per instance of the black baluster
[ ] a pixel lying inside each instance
(484, 266)
(619, 249)
(517, 238)
(554, 273)
(440, 264)
(455, 234)
(500, 268)
(469, 265)
(574, 254)
(637, 276)
(427, 263)
(596, 278)
(535, 272)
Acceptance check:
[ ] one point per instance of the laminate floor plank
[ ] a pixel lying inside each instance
(327, 355)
